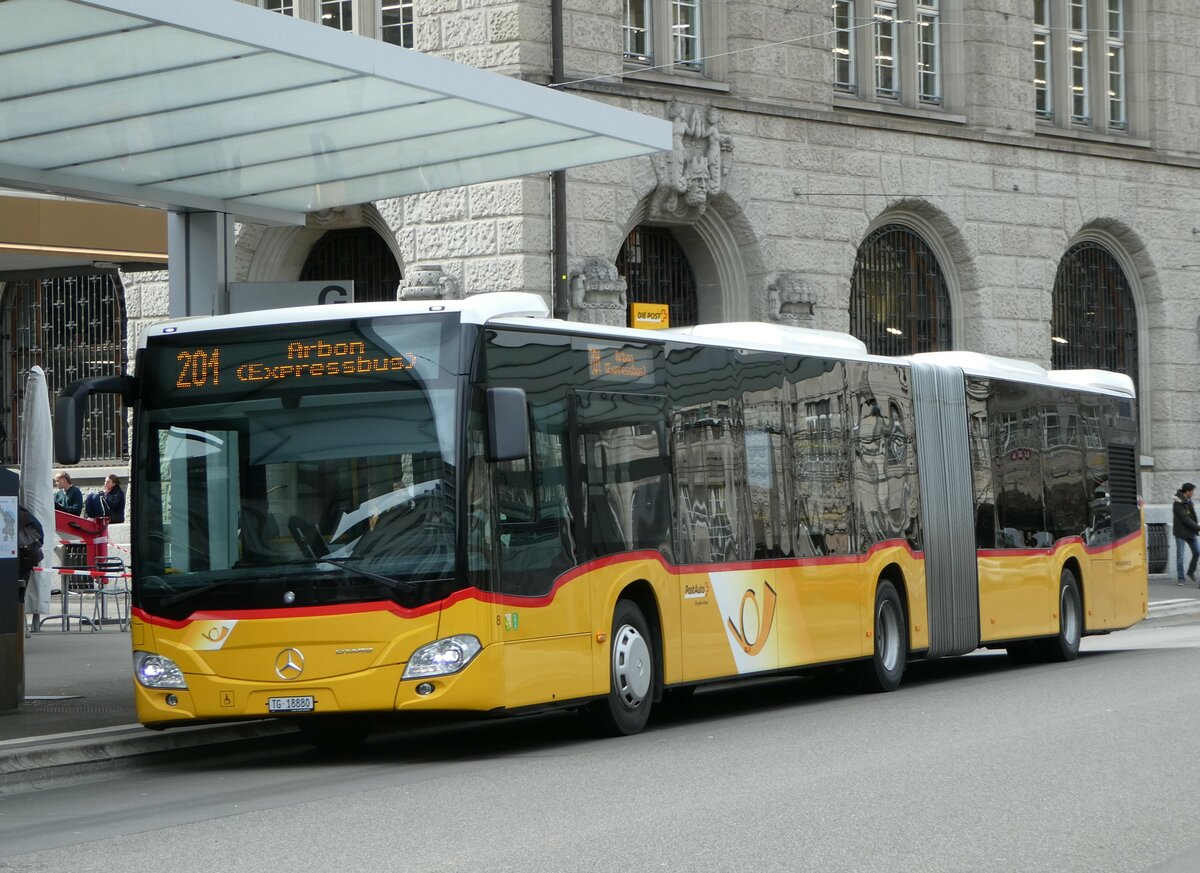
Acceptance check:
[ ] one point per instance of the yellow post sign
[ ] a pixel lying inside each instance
(650, 316)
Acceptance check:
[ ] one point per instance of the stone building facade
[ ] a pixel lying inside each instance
(1000, 133)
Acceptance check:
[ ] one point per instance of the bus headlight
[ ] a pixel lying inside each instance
(442, 657)
(155, 671)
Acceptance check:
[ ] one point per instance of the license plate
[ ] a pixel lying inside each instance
(290, 704)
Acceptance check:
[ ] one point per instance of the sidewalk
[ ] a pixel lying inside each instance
(79, 699)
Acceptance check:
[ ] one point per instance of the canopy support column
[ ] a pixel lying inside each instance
(200, 262)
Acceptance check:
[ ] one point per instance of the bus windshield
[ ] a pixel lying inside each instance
(297, 490)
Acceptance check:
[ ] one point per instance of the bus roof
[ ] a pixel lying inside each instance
(476, 309)
(522, 309)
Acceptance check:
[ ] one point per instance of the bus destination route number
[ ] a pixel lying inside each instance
(204, 368)
(626, 364)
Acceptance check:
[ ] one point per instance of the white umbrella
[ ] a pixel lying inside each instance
(37, 492)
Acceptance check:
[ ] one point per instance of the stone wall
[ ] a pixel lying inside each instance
(807, 174)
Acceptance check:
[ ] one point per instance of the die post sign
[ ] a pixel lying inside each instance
(650, 316)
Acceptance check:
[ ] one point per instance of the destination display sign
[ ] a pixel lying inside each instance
(621, 363)
(201, 368)
(304, 356)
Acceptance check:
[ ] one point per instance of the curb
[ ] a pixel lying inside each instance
(29, 762)
(1179, 606)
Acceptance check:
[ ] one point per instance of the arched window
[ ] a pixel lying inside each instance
(358, 254)
(657, 271)
(73, 327)
(1094, 322)
(899, 304)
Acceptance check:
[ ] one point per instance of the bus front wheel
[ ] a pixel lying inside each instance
(886, 667)
(626, 708)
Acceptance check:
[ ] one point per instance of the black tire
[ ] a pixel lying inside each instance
(1065, 646)
(332, 734)
(886, 667)
(632, 675)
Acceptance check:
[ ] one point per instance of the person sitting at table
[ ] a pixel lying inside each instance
(67, 496)
(109, 502)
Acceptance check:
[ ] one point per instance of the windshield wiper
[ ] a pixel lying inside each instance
(386, 581)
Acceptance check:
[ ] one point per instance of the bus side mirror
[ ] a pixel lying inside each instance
(70, 409)
(507, 424)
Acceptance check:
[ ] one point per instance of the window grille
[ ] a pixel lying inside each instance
(358, 254)
(1094, 323)
(657, 271)
(73, 327)
(899, 303)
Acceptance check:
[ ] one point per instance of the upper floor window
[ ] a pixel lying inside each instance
(668, 34)
(338, 14)
(285, 7)
(889, 50)
(396, 22)
(1080, 63)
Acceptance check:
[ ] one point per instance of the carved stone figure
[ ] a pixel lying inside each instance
(427, 282)
(790, 300)
(696, 168)
(597, 291)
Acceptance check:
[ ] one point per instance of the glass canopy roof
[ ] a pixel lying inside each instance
(218, 105)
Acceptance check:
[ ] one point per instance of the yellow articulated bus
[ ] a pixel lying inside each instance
(348, 512)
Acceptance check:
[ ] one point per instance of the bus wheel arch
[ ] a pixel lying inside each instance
(889, 632)
(1072, 564)
(1064, 646)
(634, 667)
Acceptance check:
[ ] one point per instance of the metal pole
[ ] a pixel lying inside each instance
(558, 180)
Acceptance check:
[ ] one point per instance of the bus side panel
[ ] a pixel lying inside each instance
(1130, 582)
(1017, 597)
(546, 644)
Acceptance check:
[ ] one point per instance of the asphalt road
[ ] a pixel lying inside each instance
(974, 765)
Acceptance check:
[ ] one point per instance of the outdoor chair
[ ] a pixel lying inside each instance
(113, 586)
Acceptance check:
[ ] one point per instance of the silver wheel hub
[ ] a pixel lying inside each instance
(1069, 610)
(631, 667)
(887, 632)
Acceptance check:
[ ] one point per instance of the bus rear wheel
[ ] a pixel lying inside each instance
(886, 667)
(626, 708)
(1065, 646)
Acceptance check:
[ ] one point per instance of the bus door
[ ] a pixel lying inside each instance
(1097, 525)
(625, 478)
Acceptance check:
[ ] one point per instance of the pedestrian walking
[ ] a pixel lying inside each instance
(1186, 529)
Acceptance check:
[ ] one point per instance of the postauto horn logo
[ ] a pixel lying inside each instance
(762, 619)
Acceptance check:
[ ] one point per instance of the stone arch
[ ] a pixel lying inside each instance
(724, 253)
(277, 254)
(964, 285)
(1131, 254)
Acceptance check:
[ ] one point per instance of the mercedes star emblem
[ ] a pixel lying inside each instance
(289, 664)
